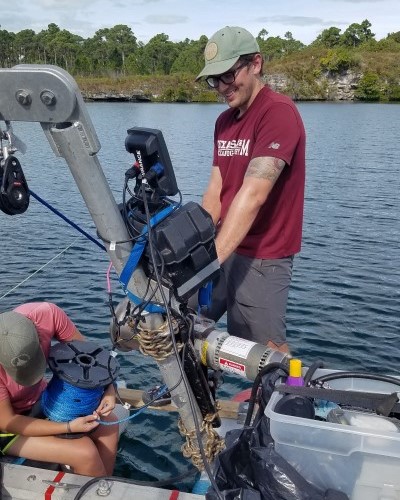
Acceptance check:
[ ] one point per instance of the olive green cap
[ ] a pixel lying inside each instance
(225, 47)
(20, 353)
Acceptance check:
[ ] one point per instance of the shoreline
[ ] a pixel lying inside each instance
(344, 87)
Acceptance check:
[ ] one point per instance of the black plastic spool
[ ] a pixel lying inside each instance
(83, 364)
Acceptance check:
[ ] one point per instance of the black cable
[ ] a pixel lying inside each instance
(166, 201)
(256, 384)
(113, 346)
(124, 209)
(169, 319)
(139, 308)
(142, 306)
(130, 192)
(368, 376)
(145, 405)
(312, 369)
(129, 225)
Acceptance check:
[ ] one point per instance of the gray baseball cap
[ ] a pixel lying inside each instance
(225, 47)
(20, 353)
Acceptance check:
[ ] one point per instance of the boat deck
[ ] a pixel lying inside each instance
(31, 483)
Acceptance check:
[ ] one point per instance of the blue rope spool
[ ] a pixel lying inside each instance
(62, 402)
(81, 371)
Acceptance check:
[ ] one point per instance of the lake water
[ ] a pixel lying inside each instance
(344, 304)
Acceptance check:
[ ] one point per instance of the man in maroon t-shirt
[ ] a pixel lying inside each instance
(256, 190)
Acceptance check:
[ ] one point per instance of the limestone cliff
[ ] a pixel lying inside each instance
(325, 87)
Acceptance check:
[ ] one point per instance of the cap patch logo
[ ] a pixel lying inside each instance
(20, 360)
(210, 51)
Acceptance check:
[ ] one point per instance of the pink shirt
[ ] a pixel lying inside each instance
(271, 126)
(51, 322)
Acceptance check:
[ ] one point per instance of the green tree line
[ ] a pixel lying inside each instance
(117, 53)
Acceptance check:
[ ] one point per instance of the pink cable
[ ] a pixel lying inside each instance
(108, 278)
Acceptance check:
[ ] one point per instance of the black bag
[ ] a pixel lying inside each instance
(251, 469)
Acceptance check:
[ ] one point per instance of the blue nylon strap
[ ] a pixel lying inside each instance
(205, 296)
(132, 262)
(135, 256)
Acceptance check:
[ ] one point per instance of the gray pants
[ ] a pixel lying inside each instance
(254, 294)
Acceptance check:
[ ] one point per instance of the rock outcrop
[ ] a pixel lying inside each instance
(138, 96)
(338, 87)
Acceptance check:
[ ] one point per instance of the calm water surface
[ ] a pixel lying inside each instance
(344, 305)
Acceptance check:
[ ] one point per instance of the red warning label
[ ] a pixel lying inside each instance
(232, 366)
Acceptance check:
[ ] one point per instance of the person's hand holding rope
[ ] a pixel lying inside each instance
(107, 403)
(83, 424)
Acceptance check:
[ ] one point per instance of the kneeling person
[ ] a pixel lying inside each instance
(25, 335)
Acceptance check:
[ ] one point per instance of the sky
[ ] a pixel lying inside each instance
(181, 19)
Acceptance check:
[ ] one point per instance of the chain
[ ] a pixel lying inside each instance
(157, 343)
(212, 446)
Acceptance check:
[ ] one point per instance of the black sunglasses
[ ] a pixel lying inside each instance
(227, 78)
